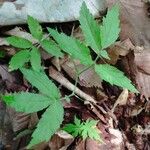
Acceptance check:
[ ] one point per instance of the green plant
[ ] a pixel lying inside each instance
(30, 51)
(83, 129)
(49, 98)
(96, 37)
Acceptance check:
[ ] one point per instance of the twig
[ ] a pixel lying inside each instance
(101, 117)
(65, 82)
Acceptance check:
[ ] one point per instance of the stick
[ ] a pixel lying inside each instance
(54, 74)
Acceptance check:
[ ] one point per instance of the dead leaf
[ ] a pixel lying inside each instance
(122, 99)
(19, 120)
(60, 141)
(119, 49)
(142, 60)
(6, 75)
(88, 78)
(17, 31)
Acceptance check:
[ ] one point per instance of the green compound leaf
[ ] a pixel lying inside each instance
(19, 42)
(90, 28)
(48, 124)
(114, 76)
(35, 28)
(19, 59)
(27, 102)
(72, 46)
(52, 48)
(42, 83)
(110, 28)
(83, 129)
(74, 129)
(35, 59)
(90, 125)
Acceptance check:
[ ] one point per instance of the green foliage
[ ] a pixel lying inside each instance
(97, 38)
(29, 52)
(30, 102)
(35, 59)
(42, 83)
(19, 42)
(19, 59)
(27, 102)
(72, 46)
(110, 28)
(35, 28)
(52, 48)
(49, 123)
(114, 76)
(90, 28)
(83, 129)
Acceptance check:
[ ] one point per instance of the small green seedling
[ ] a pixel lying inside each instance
(97, 37)
(29, 51)
(85, 129)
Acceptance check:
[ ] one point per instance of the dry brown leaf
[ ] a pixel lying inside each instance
(134, 21)
(122, 99)
(19, 32)
(119, 49)
(6, 75)
(6, 133)
(60, 141)
(33, 120)
(142, 60)
(143, 81)
(88, 78)
(19, 120)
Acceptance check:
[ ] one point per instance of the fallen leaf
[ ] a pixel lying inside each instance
(20, 33)
(142, 61)
(88, 78)
(119, 49)
(60, 141)
(122, 99)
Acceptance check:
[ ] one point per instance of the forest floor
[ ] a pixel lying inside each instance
(124, 117)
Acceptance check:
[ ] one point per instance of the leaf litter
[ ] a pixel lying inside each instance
(129, 104)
